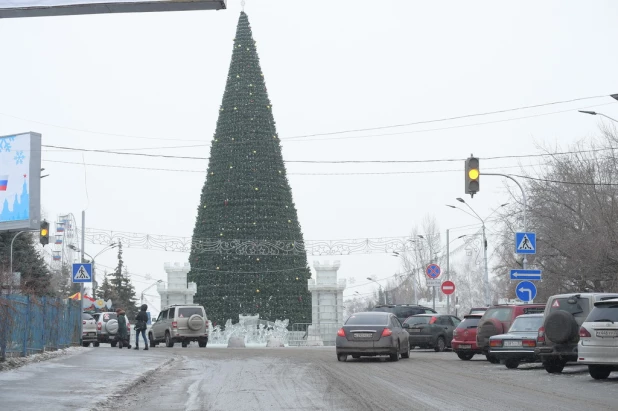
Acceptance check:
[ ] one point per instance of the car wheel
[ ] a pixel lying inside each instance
(355, 356)
(440, 345)
(395, 357)
(113, 343)
(465, 356)
(152, 341)
(554, 366)
(511, 364)
(342, 357)
(96, 344)
(599, 372)
(406, 353)
(184, 344)
(168, 340)
(202, 343)
(492, 359)
(86, 344)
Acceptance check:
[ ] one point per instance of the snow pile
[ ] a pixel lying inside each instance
(275, 342)
(250, 330)
(16, 362)
(236, 341)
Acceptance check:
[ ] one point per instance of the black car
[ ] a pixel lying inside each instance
(431, 330)
(403, 311)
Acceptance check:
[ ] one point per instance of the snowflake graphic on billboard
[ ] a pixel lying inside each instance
(19, 157)
(5, 143)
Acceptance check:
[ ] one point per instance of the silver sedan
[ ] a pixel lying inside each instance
(372, 334)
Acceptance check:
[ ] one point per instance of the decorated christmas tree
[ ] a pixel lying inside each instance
(246, 202)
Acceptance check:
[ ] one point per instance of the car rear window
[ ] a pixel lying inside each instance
(87, 317)
(478, 311)
(421, 319)
(579, 307)
(471, 322)
(108, 316)
(187, 312)
(603, 313)
(522, 324)
(367, 319)
(499, 313)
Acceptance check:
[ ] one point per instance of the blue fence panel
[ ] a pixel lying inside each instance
(30, 324)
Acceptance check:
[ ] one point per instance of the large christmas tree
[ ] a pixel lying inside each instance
(247, 197)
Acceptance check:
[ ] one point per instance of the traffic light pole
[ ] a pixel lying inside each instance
(523, 194)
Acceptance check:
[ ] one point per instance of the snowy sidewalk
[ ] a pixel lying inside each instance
(77, 381)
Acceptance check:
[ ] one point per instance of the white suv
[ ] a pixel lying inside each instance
(89, 330)
(180, 323)
(598, 340)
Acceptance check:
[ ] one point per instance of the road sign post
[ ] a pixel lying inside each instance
(525, 243)
(433, 271)
(526, 291)
(530, 275)
(82, 273)
(448, 287)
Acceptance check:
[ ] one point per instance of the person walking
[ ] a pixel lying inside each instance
(123, 331)
(141, 323)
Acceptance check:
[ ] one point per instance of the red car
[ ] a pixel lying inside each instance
(464, 337)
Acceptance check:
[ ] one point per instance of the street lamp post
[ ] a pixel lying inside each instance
(596, 113)
(379, 285)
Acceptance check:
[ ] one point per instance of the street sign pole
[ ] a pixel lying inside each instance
(448, 273)
(81, 285)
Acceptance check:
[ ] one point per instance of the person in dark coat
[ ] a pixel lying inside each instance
(141, 322)
(123, 331)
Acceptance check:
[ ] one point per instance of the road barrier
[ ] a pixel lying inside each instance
(30, 324)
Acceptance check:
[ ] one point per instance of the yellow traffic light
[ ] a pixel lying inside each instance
(44, 233)
(472, 175)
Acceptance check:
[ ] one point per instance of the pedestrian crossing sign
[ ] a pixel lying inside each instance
(82, 273)
(525, 243)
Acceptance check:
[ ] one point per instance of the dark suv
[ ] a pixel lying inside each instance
(497, 320)
(558, 338)
(403, 311)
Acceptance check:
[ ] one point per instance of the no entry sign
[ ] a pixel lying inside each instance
(448, 287)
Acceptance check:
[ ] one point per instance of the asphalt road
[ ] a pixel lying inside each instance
(312, 379)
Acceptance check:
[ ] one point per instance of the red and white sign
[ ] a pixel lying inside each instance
(448, 287)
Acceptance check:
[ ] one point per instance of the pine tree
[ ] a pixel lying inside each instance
(106, 292)
(35, 274)
(247, 197)
(121, 290)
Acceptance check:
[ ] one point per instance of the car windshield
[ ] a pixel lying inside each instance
(603, 313)
(525, 324)
(577, 306)
(367, 319)
(187, 312)
(499, 313)
(418, 320)
(471, 322)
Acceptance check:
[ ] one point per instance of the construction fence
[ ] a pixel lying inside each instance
(29, 324)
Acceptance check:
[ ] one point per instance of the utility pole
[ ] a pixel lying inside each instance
(81, 285)
(448, 272)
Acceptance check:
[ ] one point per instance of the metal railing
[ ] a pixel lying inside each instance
(29, 324)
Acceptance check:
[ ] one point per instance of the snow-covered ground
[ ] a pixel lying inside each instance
(16, 362)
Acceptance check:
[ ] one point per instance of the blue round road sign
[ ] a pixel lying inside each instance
(433, 271)
(526, 291)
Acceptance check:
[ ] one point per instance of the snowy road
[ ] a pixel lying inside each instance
(105, 379)
(312, 379)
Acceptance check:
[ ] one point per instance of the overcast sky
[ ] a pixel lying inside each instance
(345, 65)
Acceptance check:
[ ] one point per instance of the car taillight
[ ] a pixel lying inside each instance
(174, 324)
(341, 333)
(584, 333)
(386, 332)
(528, 343)
(99, 326)
(541, 336)
(433, 320)
(495, 343)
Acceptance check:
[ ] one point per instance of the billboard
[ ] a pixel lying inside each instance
(43, 8)
(20, 182)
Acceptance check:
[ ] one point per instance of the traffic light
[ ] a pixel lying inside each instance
(44, 233)
(472, 175)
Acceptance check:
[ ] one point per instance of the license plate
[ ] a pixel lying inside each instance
(363, 335)
(465, 346)
(607, 333)
(512, 343)
(415, 330)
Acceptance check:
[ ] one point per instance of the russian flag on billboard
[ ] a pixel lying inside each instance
(58, 239)
(4, 182)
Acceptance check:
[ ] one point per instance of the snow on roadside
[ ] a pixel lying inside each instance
(15, 362)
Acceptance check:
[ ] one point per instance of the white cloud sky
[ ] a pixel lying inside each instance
(349, 65)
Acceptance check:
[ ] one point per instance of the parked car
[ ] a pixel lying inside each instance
(89, 330)
(180, 323)
(598, 339)
(559, 336)
(517, 345)
(497, 320)
(372, 334)
(431, 330)
(107, 328)
(478, 310)
(464, 337)
(403, 311)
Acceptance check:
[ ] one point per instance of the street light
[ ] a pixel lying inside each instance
(379, 285)
(594, 113)
(148, 288)
(461, 200)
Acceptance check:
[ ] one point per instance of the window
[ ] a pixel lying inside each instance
(444, 321)
(429, 311)
(499, 313)
(367, 319)
(395, 322)
(579, 307)
(171, 313)
(186, 312)
(455, 321)
(523, 324)
(421, 319)
(470, 322)
(108, 316)
(605, 312)
(162, 315)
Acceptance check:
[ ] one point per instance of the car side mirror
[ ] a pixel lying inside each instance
(406, 325)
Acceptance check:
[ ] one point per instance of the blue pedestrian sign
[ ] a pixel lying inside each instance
(525, 243)
(433, 271)
(526, 291)
(82, 273)
(530, 275)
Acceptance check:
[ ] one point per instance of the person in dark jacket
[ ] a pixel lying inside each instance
(123, 330)
(141, 321)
